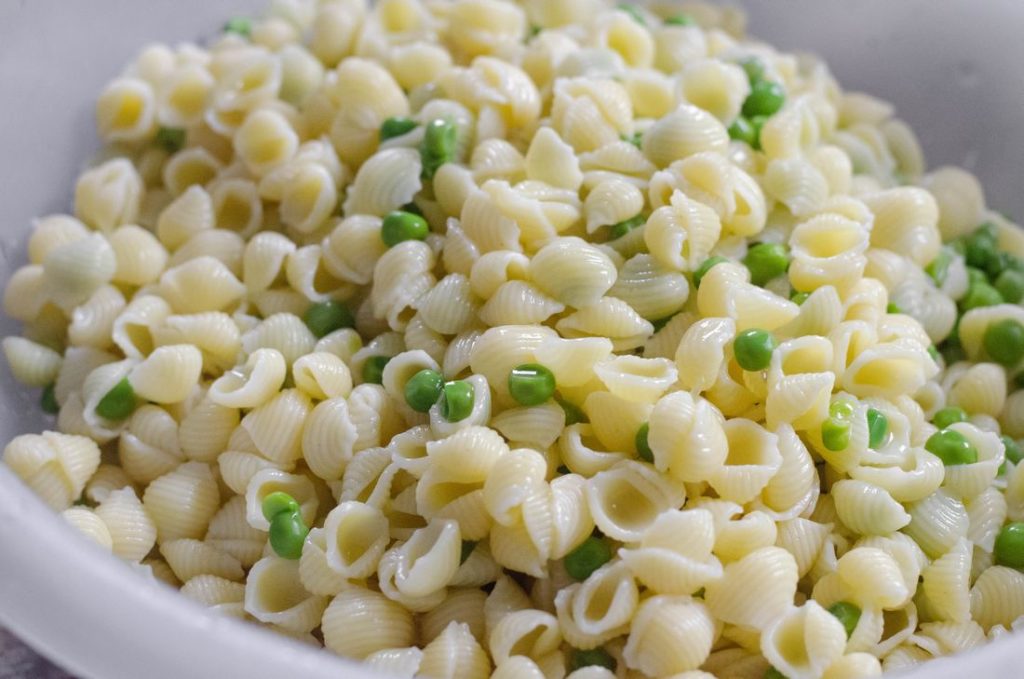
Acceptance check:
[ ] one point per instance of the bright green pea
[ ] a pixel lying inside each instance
(531, 384)
(680, 20)
(938, 268)
(438, 145)
(278, 502)
(949, 415)
(754, 68)
(456, 400)
(633, 12)
(743, 130)
(842, 410)
(239, 25)
(323, 318)
(846, 613)
(592, 553)
(835, 434)
(643, 448)
(975, 276)
(1003, 261)
(1010, 285)
(594, 656)
(1004, 341)
(423, 389)
(766, 261)
(625, 226)
(878, 427)
(951, 447)
(799, 297)
(980, 295)
(171, 139)
(934, 353)
(758, 122)
(48, 400)
(396, 127)
(893, 308)
(373, 369)
(772, 673)
(753, 349)
(981, 248)
(705, 266)
(1009, 549)
(1013, 452)
(467, 549)
(118, 403)
(573, 414)
(765, 99)
(636, 139)
(287, 533)
(399, 226)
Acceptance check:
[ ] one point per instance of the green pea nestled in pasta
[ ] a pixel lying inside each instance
(835, 430)
(766, 261)
(119, 402)
(456, 400)
(643, 447)
(878, 427)
(396, 127)
(706, 266)
(1009, 546)
(48, 400)
(531, 384)
(753, 349)
(438, 146)
(949, 415)
(287, 529)
(400, 226)
(592, 657)
(423, 389)
(373, 369)
(590, 555)
(1004, 341)
(848, 614)
(951, 447)
(323, 318)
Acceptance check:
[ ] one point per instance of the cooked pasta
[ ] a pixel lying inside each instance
(514, 337)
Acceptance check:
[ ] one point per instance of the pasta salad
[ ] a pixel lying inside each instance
(538, 339)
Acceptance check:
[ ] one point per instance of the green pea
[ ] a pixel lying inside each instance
(981, 248)
(758, 122)
(643, 448)
(951, 447)
(239, 25)
(636, 139)
(1009, 549)
(1004, 341)
(593, 656)
(118, 403)
(1003, 261)
(949, 415)
(625, 226)
(743, 130)
(467, 549)
(48, 400)
(412, 208)
(980, 295)
(754, 68)
(278, 502)
(592, 553)
(952, 352)
(878, 427)
(633, 12)
(323, 318)
(846, 613)
(1010, 286)
(799, 297)
(456, 400)
(423, 389)
(938, 268)
(373, 369)
(396, 127)
(661, 322)
(573, 414)
(171, 139)
(765, 99)
(399, 226)
(438, 146)
(934, 353)
(1014, 454)
(975, 276)
(835, 434)
(766, 261)
(562, 469)
(680, 20)
(772, 673)
(753, 349)
(703, 269)
(287, 533)
(531, 384)
(893, 308)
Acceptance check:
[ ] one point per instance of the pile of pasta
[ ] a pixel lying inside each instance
(225, 317)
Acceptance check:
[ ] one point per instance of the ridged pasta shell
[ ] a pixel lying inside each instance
(274, 594)
(768, 575)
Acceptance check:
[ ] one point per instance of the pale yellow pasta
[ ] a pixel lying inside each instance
(88, 524)
(31, 363)
(283, 332)
(273, 594)
(572, 271)
(190, 167)
(173, 518)
(805, 642)
(140, 256)
(168, 374)
(684, 132)
(109, 195)
(755, 590)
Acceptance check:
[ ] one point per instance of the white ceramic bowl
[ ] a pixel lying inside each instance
(952, 69)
